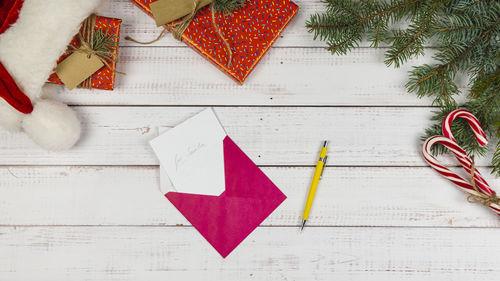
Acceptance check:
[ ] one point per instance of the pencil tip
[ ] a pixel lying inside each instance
(303, 224)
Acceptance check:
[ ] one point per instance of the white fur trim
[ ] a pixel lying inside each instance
(29, 50)
(51, 91)
(53, 125)
(10, 118)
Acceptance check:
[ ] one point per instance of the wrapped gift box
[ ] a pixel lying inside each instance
(104, 78)
(250, 31)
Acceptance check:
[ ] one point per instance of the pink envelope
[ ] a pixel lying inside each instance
(226, 220)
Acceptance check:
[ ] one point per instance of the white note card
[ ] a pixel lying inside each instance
(192, 154)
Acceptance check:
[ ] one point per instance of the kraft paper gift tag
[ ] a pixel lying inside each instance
(166, 11)
(77, 67)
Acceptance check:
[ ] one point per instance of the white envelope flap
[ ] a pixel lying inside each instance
(192, 154)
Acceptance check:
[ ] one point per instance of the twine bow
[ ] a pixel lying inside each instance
(86, 46)
(181, 26)
(481, 197)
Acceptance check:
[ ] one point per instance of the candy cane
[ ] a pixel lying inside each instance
(465, 185)
(471, 119)
(449, 142)
(480, 137)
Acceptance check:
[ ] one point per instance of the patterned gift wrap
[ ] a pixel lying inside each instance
(250, 31)
(104, 78)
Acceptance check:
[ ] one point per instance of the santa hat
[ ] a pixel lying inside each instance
(33, 35)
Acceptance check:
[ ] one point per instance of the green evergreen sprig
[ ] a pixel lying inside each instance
(103, 41)
(467, 33)
(496, 160)
(228, 6)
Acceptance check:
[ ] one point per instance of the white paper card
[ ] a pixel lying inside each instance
(165, 183)
(192, 154)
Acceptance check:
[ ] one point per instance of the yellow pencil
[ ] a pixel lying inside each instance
(314, 185)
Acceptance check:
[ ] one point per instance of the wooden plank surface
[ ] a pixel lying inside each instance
(367, 196)
(360, 136)
(96, 212)
(285, 76)
(270, 253)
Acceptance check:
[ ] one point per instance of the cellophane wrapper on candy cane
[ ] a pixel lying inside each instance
(250, 30)
(104, 78)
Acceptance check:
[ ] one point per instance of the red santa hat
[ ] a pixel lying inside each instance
(9, 12)
(33, 35)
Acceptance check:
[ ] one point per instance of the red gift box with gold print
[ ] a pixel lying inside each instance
(250, 31)
(104, 78)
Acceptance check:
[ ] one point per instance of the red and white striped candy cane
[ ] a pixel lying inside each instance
(449, 142)
(481, 139)
(471, 119)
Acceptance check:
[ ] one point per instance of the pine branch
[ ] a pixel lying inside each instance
(228, 6)
(410, 42)
(103, 41)
(460, 28)
(376, 36)
(345, 22)
(486, 107)
(438, 80)
(397, 6)
(468, 35)
(485, 83)
(496, 160)
(427, 80)
(471, 5)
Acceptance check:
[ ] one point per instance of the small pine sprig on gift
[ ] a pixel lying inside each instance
(228, 6)
(467, 33)
(103, 41)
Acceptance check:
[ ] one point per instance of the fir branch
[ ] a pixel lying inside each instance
(376, 36)
(460, 28)
(468, 37)
(426, 80)
(228, 6)
(345, 22)
(486, 107)
(482, 68)
(485, 83)
(103, 41)
(410, 42)
(471, 5)
(496, 160)
(392, 9)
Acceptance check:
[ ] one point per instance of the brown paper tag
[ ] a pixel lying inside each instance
(166, 11)
(76, 68)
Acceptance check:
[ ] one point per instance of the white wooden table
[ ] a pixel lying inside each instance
(96, 213)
